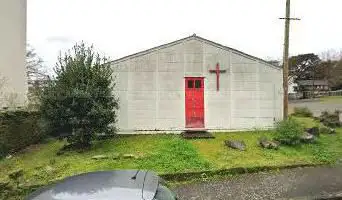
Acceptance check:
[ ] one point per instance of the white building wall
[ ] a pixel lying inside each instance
(250, 91)
(12, 52)
(152, 95)
(256, 92)
(151, 90)
(218, 104)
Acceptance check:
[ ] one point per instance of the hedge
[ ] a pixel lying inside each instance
(18, 129)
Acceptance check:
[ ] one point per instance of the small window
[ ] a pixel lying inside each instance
(197, 83)
(190, 84)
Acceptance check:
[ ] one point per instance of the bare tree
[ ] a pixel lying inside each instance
(331, 54)
(37, 77)
(331, 67)
(2, 86)
(7, 99)
(34, 65)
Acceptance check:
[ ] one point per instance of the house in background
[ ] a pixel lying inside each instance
(195, 83)
(292, 86)
(312, 88)
(13, 53)
(292, 89)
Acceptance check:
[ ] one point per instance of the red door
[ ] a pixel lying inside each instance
(194, 102)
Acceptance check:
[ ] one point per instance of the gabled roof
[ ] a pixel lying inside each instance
(194, 36)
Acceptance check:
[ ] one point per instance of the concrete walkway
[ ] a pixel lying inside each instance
(299, 183)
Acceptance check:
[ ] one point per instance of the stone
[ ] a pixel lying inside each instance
(60, 152)
(15, 175)
(339, 161)
(326, 130)
(115, 156)
(268, 144)
(39, 167)
(307, 138)
(99, 157)
(332, 131)
(316, 118)
(4, 185)
(49, 169)
(126, 156)
(313, 131)
(235, 144)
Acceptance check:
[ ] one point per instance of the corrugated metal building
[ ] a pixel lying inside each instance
(194, 83)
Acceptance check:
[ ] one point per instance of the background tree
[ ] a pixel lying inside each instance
(2, 91)
(8, 99)
(34, 65)
(326, 66)
(36, 75)
(304, 67)
(332, 62)
(79, 102)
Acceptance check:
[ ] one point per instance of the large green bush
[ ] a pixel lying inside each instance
(79, 103)
(330, 119)
(18, 129)
(289, 132)
(302, 112)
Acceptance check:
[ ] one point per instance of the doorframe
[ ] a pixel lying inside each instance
(203, 78)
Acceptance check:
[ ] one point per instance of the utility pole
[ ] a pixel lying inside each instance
(286, 58)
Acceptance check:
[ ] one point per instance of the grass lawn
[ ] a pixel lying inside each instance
(168, 154)
(161, 153)
(331, 99)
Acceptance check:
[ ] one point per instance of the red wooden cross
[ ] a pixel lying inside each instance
(217, 71)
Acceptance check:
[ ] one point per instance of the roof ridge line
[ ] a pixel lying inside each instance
(199, 38)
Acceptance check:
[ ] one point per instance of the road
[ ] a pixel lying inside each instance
(317, 107)
(305, 183)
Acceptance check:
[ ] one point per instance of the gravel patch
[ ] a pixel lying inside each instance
(284, 184)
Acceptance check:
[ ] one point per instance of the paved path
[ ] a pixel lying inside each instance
(288, 183)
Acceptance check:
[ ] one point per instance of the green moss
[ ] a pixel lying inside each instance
(331, 99)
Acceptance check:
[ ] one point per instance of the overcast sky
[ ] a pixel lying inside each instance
(121, 27)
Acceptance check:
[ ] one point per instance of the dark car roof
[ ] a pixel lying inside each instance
(102, 185)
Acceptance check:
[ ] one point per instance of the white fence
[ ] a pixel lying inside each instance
(335, 93)
(314, 94)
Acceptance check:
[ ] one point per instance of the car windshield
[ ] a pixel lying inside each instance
(163, 193)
